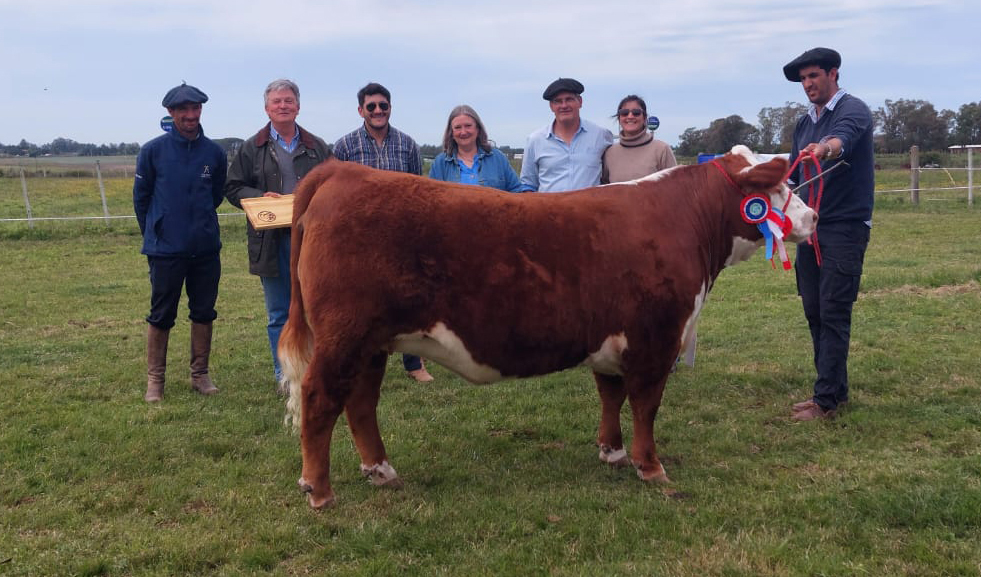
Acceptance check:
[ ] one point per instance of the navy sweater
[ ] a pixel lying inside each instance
(848, 190)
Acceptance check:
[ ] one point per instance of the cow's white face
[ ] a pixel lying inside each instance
(802, 216)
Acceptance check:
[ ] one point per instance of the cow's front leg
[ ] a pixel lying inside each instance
(612, 394)
(362, 418)
(322, 405)
(644, 403)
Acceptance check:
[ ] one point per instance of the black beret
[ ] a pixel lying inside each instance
(184, 93)
(814, 56)
(563, 85)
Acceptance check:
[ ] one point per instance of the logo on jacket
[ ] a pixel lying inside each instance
(206, 173)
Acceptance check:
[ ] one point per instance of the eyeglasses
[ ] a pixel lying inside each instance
(370, 107)
(624, 112)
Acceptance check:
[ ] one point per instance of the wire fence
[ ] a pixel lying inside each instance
(64, 197)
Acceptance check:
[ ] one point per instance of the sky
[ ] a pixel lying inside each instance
(95, 71)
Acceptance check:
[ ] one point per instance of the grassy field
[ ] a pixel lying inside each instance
(502, 479)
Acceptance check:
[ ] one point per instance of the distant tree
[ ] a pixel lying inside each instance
(903, 123)
(724, 133)
(690, 142)
(967, 125)
(776, 130)
(430, 150)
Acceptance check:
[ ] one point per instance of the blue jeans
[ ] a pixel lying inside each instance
(276, 290)
(828, 293)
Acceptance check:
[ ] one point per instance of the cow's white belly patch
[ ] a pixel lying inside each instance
(444, 347)
(608, 360)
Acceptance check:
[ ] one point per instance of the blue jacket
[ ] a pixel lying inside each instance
(494, 171)
(177, 188)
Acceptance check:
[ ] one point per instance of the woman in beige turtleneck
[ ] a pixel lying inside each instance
(637, 153)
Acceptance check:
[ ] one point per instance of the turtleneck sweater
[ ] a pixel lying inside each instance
(636, 156)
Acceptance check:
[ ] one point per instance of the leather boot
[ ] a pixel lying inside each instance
(200, 352)
(156, 363)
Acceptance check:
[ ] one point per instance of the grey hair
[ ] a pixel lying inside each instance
(449, 145)
(281, 84)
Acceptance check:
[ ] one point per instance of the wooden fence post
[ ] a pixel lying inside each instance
(102, 192)
(914, 174)
(27, 200)
(970, 176)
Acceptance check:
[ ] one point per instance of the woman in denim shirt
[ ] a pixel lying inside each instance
(468, 156)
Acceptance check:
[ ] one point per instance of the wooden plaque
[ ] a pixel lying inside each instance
(268, 212)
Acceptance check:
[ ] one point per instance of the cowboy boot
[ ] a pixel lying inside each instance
(156, 363)
(200, 352)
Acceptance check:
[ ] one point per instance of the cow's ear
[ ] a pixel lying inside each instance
(763, 176)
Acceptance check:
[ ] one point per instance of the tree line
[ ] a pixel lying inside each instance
(898, 125)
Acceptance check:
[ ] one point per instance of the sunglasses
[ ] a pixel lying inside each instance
(370, 107)
(624, 112)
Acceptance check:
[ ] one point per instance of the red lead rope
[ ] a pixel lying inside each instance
(813, 200)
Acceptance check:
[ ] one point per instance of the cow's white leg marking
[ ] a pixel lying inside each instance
(608, 359)
(616, 458)
(381, 474)
(443, 346)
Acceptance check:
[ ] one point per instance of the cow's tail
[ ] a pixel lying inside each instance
(296, 340)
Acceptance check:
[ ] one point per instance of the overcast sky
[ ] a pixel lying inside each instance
(96, 71)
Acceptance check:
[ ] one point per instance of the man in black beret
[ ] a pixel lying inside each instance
(836, 128)
(567, 154)
(179, 180)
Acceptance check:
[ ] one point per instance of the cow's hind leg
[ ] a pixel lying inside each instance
(323, 401)
(362, 418)
(612, 393)
(645, 399)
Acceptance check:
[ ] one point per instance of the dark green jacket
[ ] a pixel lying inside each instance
(254, 171)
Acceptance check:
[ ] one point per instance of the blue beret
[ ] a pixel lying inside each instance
(563, 85)
(182, 94)
(813, 57)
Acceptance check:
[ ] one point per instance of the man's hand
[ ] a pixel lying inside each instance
(271, 194)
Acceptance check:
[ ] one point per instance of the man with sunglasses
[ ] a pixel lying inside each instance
(567, 154)
(378, 144)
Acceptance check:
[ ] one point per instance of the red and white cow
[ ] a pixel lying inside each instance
(494, 285)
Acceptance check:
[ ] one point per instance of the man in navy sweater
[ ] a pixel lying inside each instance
(837, 127)
(178, 186)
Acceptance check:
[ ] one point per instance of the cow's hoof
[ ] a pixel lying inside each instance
(321, 502)
(382, 475)
(613, 457)
(654, 475)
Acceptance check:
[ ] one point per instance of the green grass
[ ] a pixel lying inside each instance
(501, 479)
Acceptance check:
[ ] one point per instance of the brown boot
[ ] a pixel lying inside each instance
(200, 352)
(156, 363)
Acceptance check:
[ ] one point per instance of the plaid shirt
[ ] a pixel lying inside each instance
(398, 152)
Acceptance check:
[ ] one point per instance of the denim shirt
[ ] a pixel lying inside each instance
(493, 170)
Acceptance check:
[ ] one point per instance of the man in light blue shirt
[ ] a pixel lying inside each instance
(568, 153)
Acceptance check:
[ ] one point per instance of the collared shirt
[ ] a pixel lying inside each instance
(469, 174)
(551, 165)
(288, 146)
(398, 152)
(812, 108)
